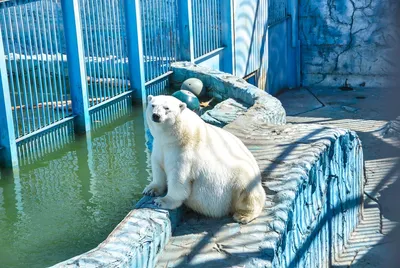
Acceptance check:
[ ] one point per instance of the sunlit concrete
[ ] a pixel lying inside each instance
(373, 114)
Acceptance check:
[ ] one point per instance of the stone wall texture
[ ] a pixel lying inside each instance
(348, 39)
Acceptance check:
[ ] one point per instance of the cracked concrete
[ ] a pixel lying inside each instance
(347, 39)
(376, 121)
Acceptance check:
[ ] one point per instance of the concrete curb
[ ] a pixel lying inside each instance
(136, 240)
(265, 108)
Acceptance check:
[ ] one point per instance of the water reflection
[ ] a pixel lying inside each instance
(68, 201)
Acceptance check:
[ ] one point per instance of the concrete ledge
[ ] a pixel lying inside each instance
(224, 112)
(264, 108)
(135, 242)
(313, 177)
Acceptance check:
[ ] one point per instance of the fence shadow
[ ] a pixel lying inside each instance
(215, 235)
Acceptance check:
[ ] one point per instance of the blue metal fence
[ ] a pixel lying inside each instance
(160, 87)
(206, 26)
(160, 32)
(31, 150)
(103, 30)
(108, 114)
(34, 48)
(66, 60)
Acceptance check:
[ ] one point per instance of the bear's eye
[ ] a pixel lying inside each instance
(166, 108)
(153, 106)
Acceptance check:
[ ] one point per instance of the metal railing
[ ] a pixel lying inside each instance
(160, 32)
(206, 26)
(61, 61)
(33, 45)
(103, 31)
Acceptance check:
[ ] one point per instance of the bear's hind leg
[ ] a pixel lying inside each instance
(249, 205)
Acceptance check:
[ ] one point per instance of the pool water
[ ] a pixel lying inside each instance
(69, 201)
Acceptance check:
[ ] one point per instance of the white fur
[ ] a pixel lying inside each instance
(205, 167)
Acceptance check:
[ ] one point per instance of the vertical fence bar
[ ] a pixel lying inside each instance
(227, 17)
(76, 64)
(133, 26)
(186, 29)
(8, 147)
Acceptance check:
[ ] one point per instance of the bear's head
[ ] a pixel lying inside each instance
(163, 110)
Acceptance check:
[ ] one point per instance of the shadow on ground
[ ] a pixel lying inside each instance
(373, 114)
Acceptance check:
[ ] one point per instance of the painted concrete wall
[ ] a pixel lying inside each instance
(263, 43)
(347, 39)
(283, 59)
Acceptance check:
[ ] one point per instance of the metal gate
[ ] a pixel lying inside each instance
(266, 46)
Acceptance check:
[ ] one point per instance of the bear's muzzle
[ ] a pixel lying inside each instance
(156, 118)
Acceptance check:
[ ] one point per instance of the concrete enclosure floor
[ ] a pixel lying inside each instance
(374, 114)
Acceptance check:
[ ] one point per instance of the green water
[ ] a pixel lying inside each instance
(69, 201)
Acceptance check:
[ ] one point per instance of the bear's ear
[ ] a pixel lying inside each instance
(149, 98)
(182, 105)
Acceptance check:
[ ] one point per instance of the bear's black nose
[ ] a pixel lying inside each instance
(156, 118)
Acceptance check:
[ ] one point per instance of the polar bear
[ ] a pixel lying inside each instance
(203, 166)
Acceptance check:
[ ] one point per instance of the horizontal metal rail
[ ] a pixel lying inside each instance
(161, 77)
(46, 129)
(110, 100)
(209, 55)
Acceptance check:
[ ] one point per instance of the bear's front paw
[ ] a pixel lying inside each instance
(153, 190)
(166, 203)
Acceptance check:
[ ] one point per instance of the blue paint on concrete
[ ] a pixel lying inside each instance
(326, 209)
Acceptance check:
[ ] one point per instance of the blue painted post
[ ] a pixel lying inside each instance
(8, 147)
(76, 64)
(135, 49)
(228, 56)
(186, 30)
(293, 10)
